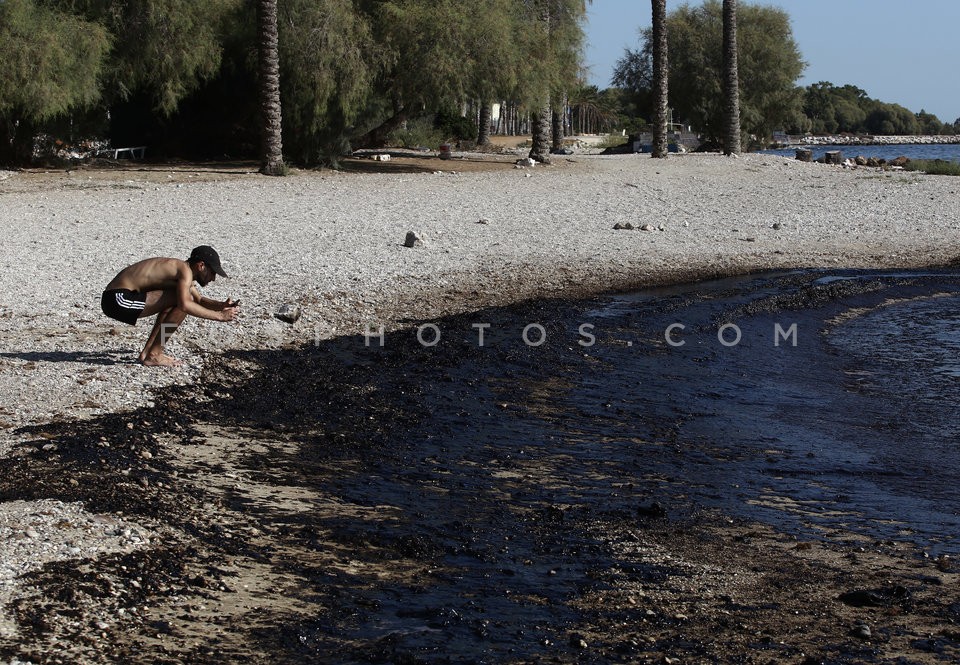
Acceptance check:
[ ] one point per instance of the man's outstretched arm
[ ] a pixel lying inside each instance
(217, 305)
(186, 302)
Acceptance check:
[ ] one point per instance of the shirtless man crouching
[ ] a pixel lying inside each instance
(165, 287)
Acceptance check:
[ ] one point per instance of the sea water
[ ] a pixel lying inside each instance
(948, 152)
(818, 402)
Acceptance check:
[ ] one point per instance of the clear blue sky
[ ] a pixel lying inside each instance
(899, 51)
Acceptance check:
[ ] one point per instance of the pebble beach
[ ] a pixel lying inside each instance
(332, 245)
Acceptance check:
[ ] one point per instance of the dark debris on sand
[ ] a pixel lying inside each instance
(342, 504)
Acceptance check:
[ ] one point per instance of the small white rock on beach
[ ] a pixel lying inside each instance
(331, 245)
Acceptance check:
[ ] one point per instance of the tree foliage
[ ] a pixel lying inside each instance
(550, 38)
(350, 70)
(845, 109)
(328, 60)
(165, 48)
(426, 62)
(52, 63)
(832, 109)
(633, 78)
(494, 69)
(594, 110)
(67, 56)
(181, 75)
(769, 64)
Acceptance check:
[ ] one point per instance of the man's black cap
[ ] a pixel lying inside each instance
(208, 255)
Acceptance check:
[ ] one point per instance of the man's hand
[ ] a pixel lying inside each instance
(229, 312)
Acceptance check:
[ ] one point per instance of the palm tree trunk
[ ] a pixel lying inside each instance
(556, 131)
(661, 72)
(483, 124)
(271, 150)
(540, 129)
(731, 87)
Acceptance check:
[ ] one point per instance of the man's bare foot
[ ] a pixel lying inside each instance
(162, 360)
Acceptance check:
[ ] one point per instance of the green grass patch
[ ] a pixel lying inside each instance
(933, 166)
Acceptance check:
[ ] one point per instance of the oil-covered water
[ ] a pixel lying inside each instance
(837, 408)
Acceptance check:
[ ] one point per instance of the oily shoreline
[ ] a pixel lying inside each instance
(293, 504)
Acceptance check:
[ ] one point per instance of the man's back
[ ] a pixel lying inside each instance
(157, 274)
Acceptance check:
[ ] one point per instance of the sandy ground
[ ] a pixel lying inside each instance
(331, 243)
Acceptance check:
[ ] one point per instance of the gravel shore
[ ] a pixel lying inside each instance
(332, 244)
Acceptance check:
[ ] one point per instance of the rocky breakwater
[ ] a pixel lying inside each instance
(847, 139)
(836, 157)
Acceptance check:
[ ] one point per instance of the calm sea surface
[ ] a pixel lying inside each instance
(950, 152)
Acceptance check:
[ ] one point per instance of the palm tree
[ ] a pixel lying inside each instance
(540, 118)
(540, 134)
(661, 70)
(557, 112)
(271, 146)
(592, 112)
(731, 87)
(483, 125)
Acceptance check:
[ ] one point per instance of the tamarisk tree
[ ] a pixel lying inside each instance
(52, 64)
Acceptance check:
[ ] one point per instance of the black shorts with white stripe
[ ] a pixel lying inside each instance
(123, 305)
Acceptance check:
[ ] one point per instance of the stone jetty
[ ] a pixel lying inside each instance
(847, 139)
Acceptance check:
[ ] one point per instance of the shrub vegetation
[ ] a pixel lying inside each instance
(933, 166)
